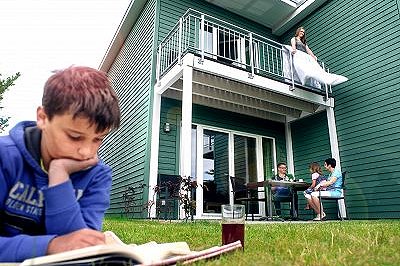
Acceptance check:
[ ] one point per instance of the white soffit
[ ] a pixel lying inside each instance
(278, 15)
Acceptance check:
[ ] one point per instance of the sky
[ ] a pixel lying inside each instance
(40, 36)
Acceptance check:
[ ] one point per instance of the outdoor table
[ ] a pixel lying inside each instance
(268, 184)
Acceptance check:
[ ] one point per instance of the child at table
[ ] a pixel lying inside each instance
(316, 177)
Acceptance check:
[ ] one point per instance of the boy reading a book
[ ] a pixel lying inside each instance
(53, 188)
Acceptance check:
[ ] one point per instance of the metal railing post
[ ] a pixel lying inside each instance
(330, 86)
(251, 75)
(180, 41)
(158, 69)
(326, 85)
(291, 69)
(202, 38)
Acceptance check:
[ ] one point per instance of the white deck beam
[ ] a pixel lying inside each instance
(170, 78)
(242, 76)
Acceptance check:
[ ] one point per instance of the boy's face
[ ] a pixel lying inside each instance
(327, 167)
(282, 169)
(64, 137)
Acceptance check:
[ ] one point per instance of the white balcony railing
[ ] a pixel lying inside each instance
(215, 39)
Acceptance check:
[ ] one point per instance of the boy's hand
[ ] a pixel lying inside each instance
(78, 239)
(60, 169)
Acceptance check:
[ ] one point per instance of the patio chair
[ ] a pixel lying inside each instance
(243, 194)
(284, 199)
(336, 198)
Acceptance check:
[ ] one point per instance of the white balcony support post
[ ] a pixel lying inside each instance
(335, 150)
(180, 41)
(155, 138)
(186, 136)
(158, 67)
(251, 75)
(291, 70)
(187, 120)
(289, 148)
(202, 30)
(333, 135)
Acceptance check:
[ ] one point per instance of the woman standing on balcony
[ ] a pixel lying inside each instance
(299, 42)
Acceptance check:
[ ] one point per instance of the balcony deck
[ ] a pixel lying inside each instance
(231, 74)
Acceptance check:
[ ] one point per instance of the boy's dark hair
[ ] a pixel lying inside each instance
(331, 162)
(83, 92)
(280, 164)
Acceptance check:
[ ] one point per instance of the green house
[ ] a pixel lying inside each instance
(204, 92)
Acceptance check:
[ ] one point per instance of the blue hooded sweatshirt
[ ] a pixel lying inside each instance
(31, 213)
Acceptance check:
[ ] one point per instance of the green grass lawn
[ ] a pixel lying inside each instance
(317, 243)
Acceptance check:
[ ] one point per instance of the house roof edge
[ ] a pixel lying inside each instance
(131, 15)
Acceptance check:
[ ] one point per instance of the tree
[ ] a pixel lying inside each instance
(5, 84)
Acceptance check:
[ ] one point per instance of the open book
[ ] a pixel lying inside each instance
(116, 252)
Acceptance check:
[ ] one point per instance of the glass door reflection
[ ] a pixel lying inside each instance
(245, 163)
(215, 166)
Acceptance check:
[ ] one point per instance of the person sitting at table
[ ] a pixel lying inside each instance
(332, 188)
(316, 177)
(282, 193)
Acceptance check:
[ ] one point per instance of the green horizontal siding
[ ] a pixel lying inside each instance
(310, 138)
(359, 39)
(126, 150)
(168, 162)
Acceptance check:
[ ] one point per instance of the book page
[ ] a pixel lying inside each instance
(146, 253)
(112, 238)
(152, 252)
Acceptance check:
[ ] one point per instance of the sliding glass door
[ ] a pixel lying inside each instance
(218, 153)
